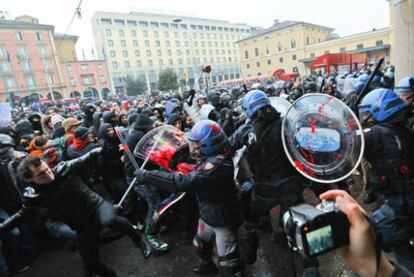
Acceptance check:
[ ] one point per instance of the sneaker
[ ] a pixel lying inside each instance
(157, 244)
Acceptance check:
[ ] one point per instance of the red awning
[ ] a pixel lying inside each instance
(337, 59)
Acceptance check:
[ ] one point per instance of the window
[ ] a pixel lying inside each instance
(186, 43)
(307, 40)
(10, 83)
(165, 25)
(177, 43)
(149, 62)
(123, 43)
(360, 46)
(184, 35)
(135, 43)
(147, 44)
(179, 52)
(102, 79)
(195, 43)
(108, 32)
(379, 43)
(156, 34)
(39, 36)
(269, 62)
(145, 33)
(112, 53)
(100, 66)
(187, 52)
(127, 65)
(85, 66)
(137, 53)
(157, 43)
(293, 43)
(246, 54)
(148, 53)
(175, 34)
(294, 57)
(121, 33)
(279, 47)
(19, 36)
(256, 52)
(170, 62)
(281, 60)
(267, 50)
(119, 22)
(72, 82)
(114, 65)
(139, 63)
(110, 43)
(132, 23)
(167, 43)
(160, 62)
(159, 53)
(154, 24)
(106, 21)
(43, 51)
(180, 61)
(247, 66)
(169, 52)
(68, 68)
(312, 55)
(133, 33)
(258, 64)
(342, 49)
(143, 24)
(166, 35)
(125, 53)
(196, 52)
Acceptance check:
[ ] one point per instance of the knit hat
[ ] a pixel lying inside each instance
(57, 118)
(81, 132)
(70, 122)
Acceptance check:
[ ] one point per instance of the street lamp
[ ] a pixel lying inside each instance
(177, 21)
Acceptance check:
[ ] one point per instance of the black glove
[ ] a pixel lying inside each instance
(140, 175)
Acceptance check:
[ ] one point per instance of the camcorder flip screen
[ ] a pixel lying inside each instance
(320, 240)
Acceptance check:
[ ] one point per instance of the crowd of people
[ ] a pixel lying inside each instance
(64, 170)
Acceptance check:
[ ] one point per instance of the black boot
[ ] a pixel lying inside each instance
(205, 268)
(143, 244)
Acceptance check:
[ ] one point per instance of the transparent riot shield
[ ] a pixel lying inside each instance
(322, 138)
(280, 104)
(161, 144)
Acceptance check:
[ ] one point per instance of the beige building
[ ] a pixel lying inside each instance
(65, 46)
(292, 46)
(281, 46)
(142, 44)
(375, 44)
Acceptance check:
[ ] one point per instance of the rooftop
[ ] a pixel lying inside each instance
(283, 25)
(23, 25)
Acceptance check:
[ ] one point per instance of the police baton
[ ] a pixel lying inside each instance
(133, 161)
(364, 91)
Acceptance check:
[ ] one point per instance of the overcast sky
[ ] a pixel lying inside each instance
(346, 17)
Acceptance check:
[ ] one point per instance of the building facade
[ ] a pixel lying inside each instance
(65, 46)
(292, 46)
(28, 59)
(142, 44)
(86, 78)
(375, 44)
(281, 46)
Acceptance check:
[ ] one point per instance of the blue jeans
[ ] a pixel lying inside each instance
(150, 194)
(9, 245)
(58, 229)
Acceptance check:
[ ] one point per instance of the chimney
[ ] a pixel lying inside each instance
(275, 22)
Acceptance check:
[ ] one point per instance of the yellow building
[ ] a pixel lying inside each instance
(375, 44)
(281, 46)
(141, 43)
(292, 46)
(65, 46)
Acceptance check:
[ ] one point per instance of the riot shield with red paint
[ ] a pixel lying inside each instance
(280, 104)
(322, 138)
(167, 147)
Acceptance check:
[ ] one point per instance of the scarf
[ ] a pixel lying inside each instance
(80, 144)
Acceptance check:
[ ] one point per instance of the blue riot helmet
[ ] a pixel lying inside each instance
(253, 101)
(405, 89)
(206, 138)
(380, 105)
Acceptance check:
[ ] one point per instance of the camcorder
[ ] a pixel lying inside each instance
(313, 231)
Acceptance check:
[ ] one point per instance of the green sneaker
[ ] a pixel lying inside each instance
(157, 244)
